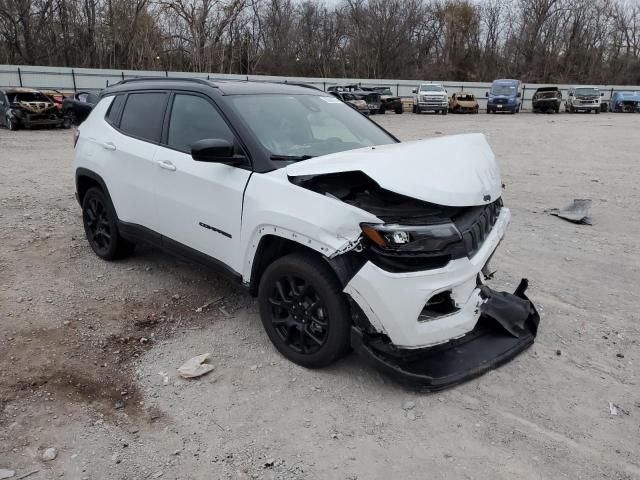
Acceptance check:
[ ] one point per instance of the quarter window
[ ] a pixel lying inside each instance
(115, 109)
(143, 115)
(193, 118)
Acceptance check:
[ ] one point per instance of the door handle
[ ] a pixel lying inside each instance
(167, 165)
(109, 146)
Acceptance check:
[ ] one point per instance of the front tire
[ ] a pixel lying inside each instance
(12, 124)
(101, 226)
(304, 311)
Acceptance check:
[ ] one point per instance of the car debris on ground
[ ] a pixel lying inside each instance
(576, 212)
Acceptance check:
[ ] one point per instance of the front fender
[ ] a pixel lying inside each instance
(275, 206)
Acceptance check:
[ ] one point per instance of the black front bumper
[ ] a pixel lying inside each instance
(490, 344)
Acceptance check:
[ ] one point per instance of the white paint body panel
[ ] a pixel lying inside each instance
(458, 171)
(393, 301)
(275, 206)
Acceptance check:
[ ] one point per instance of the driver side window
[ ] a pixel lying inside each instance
(193, 118)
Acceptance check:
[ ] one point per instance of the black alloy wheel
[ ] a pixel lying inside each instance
(304, 311)
(298, 315)
(100, 226)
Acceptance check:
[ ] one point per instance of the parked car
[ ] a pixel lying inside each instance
(373, 99)
(504, 96)
(353, 101)
(627, 102)
(389, 101)
(583, 99)
(463, 102)
(430, 97)
(25, 107)
(547, 99)
(57, 96)
(79, 105)
(317, 211)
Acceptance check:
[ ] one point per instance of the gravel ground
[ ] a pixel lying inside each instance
(89, 350)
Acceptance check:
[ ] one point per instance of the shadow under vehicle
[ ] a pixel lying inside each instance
(26, 107)
(463, 102)
(547, 99)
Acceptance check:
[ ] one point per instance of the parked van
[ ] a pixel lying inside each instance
(504, 96)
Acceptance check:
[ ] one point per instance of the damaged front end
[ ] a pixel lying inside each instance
(416, 283)
(507, 326)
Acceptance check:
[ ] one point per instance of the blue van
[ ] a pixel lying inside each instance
(504, 96)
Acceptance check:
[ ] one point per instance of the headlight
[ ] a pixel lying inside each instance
(411, 238)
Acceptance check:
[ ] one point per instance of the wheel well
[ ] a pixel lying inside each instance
(270, 248)
(83, 184)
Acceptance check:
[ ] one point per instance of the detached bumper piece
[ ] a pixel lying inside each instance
(507, 326)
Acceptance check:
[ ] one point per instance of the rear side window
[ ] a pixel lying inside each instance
(113, 115)
(143, 115)
(193, 118)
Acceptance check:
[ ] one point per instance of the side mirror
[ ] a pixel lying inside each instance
(415, 90)
(212, 150)
(602, 94)
(486, 94)
(519, 94)
(571, 94)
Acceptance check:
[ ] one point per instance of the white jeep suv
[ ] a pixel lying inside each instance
(348, 237)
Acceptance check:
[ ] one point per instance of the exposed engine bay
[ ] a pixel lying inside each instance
(422, 235)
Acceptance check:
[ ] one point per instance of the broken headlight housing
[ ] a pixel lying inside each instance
(412, 238)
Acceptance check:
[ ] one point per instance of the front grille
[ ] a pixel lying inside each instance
(476, 224)
(501, 101)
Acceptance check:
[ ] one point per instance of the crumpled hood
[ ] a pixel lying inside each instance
(457, 171)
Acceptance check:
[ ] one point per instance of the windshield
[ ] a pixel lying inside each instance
(465, 97)
(384, 91)
(587, 91)
(306, 125)
(427, 87)
(27, 97)
(508, 90)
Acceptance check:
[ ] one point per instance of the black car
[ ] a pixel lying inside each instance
(25, 107)
(547, 99)
(388, 100)
(79, 106)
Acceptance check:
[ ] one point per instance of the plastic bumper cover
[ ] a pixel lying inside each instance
(507, 326)
(393, 302)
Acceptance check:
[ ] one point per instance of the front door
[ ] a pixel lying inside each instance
(199, 203)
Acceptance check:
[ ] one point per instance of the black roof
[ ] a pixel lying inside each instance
(225, 87)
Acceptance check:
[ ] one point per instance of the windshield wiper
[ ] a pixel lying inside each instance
(293, 158)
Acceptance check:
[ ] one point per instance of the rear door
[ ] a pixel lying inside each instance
(128, 150)
(200, 203)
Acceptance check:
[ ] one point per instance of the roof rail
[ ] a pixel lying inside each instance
(164, 79)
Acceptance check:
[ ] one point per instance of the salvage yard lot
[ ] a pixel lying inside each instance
(89, 350)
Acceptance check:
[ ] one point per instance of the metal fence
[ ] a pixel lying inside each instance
(89, 79)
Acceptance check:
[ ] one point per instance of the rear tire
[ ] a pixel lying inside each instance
(101, 226)
(399, 111)
(304, 311)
